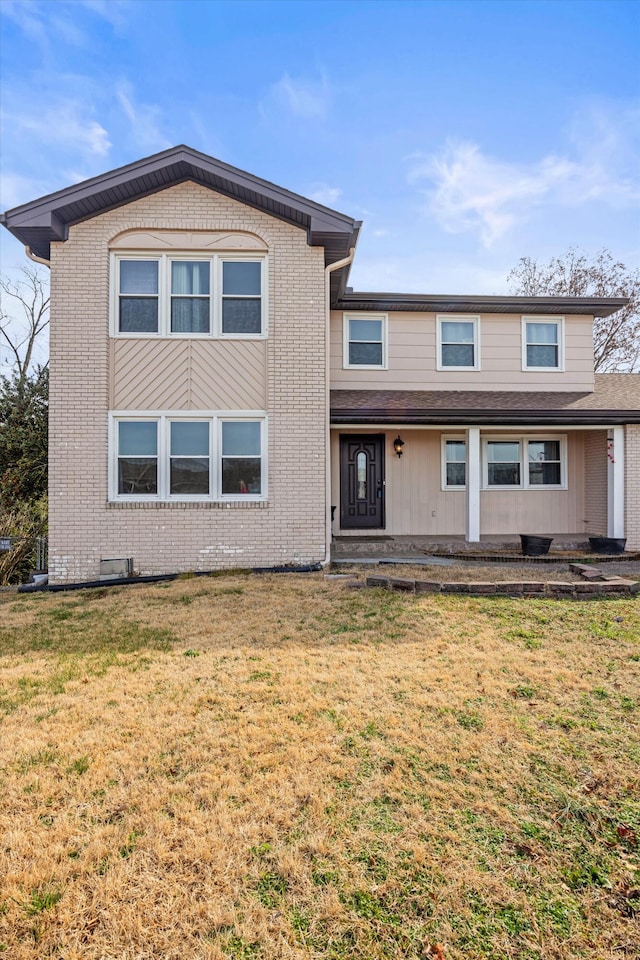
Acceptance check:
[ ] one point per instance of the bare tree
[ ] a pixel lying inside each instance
(616, 338)
(24, 316)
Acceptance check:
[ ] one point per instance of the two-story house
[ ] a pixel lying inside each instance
(217, 388)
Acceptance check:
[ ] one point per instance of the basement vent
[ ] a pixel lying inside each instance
(114, 569)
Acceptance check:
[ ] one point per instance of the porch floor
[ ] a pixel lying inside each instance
(363, 548)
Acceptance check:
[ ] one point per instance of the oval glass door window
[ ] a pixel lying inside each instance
(361, 471)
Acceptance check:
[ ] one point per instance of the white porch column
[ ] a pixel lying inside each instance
(615, 482)
(473, 485)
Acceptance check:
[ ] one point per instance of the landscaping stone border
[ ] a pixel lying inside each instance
(512, 588)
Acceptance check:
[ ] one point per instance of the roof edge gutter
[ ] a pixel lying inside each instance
(36, 258)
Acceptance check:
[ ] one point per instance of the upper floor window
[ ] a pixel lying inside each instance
(169, 295)
(365, 341)
(458, 343)
(542, 343)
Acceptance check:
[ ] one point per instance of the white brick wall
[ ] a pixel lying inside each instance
(83, 526)
(632, 484)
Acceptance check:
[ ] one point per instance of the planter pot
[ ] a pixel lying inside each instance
(608, 546)
(535, 546)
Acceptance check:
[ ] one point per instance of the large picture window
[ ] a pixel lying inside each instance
(173, 295)
(525, 462)
(168, 457)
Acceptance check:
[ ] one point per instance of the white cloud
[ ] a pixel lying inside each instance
(324, 194)
(304, 98)
(63, 122)
(470, 191)
(144, 119)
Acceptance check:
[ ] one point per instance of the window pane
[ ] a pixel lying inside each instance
(544, 473)
(365, 353)
(456, 332)
(241, 279)
(361, 476)
(189, 475)
(138, 438)
(137, 475)
(189, 439)
(138, 315)
(456, 451)
(241, 438)
(241, 316)
(544, 450)
(189, 277)
(542, 333)
(503, 450)
(241, 475)
(456, 474)
(189, 315)
(365, 330)
(138, 276)
(503, 474)
(542, 356)
(457, 355)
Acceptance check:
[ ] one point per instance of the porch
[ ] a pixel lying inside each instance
(407, 490)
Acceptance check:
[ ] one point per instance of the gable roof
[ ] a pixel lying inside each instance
(38, 223)
(616, 399)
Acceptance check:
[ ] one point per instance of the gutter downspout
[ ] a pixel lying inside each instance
(327, 480)
(36, 259)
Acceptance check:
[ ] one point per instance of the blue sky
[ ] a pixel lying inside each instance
(464, 134)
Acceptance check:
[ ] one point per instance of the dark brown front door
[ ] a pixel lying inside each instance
(361, 481)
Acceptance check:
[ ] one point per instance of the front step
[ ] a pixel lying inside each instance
(370, 547)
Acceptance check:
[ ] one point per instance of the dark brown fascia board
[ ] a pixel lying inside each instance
(57, 211)
(506, 418)
(440, 303)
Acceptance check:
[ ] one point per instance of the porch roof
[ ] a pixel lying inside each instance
(615, 400)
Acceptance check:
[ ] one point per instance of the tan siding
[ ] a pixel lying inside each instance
(412, 358)
(416, 504)
(595, 482)
(632, 482)
(83, 527)
(182, 374)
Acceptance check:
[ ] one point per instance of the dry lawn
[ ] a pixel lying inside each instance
(254, 768)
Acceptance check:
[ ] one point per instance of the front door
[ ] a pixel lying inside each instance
(361, 481)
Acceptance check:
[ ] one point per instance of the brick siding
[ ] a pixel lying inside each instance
(632, 485)
(84, 527)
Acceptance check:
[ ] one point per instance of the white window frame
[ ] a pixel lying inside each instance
(384, 317)
(456, 438)
(458, 318)
(522, 440)
(559, 322)
(164, 418)
(164, 261)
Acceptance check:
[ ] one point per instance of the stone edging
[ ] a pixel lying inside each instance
(510, 588)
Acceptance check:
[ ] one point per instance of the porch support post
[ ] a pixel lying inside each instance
(473, 485)
(615, 482)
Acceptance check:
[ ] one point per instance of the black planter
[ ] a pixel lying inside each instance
(535, 546)
(608, 546)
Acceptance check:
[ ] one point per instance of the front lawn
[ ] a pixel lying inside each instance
(263, 767)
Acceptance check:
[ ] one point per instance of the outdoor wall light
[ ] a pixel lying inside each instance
(398, 444)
